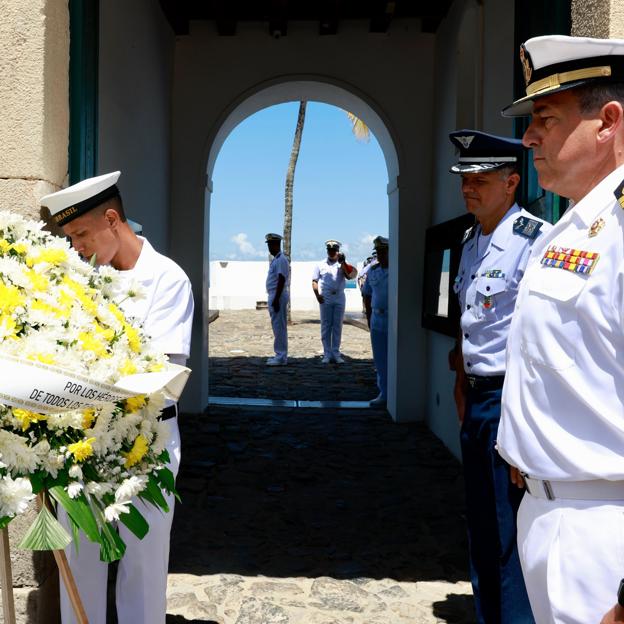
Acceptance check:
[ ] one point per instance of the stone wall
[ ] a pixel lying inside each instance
(598, 18)
(34, 131)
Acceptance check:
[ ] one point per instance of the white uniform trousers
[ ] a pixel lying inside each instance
(280, 326)
(379, 343)
(572, 556)
(141, 590)
(332, 314)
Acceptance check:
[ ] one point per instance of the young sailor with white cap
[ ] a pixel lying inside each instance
(91, 214)
(562, 421)
(328, 284)
(277, 282)
(375, 294)
(495, 252)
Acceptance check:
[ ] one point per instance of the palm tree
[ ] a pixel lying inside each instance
(290, 180)
(359, 128)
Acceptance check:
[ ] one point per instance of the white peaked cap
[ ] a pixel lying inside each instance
(73, 201)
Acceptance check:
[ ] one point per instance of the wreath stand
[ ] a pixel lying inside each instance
(6, 579)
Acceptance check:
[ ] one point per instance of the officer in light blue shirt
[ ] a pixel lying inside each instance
(375, 294)
(495, 252)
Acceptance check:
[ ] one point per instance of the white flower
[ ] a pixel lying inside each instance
(75, 472)
(15, 494)
(74, 489)
(112, 512)
(130, 488)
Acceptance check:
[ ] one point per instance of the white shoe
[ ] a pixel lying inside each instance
(275, 361)
(377, 401)
(326, 359)
(339, 359)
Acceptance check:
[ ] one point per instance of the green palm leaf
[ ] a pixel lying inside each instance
(46, 533)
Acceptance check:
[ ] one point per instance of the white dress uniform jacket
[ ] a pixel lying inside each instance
(167, 315)
(563, 410)
(487, 286)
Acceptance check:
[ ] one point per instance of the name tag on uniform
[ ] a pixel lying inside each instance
(569, 259)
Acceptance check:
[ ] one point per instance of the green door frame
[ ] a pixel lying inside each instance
(533, 19)
(83, 88)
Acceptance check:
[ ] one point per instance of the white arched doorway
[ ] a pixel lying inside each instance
(295, 90)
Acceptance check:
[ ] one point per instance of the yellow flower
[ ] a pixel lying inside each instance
(81, 450)
(10, 298)
(19, 247)
(128, 368)
(81, 294)
(8, 326)
(155, 367)
(38, 281)
(134, 404)
(88, 416)
(26, 418)
(44, 358)
(116, 312)
(4, 245)
(134, 342)
(105, 332)
(52, 256)
(137, 452)
(91, 343)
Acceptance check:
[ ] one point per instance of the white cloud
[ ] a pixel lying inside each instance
(245, 247)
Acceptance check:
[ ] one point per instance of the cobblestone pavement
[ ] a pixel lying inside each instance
(241, 340)
(300, 516)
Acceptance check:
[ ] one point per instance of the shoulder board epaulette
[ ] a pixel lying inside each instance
(619, 194)
(468, 234)
(527, 227)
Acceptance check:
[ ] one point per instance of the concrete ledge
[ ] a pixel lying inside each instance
(357, 320)
(213, 315)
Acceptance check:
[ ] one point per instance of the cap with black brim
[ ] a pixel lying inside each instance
(480, 152)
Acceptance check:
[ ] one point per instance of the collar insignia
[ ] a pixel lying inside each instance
(468, 234)
(619, 194)
(596, 226)
(465, 140)
(527, 66)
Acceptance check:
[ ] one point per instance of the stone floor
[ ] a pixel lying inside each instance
(302, 516)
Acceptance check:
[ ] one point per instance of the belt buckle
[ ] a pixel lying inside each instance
(548, 490)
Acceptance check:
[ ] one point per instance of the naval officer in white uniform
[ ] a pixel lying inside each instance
(277, 287)
(562, 421)
(91, 214)
(375, 295)
(328, 284)
(495, 252)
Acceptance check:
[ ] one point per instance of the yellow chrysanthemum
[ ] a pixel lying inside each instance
(134, 404)
(116, 312)
(155, 367)
(26, 417)
(20, 248)
(88, 416)
(8, 326)
(81, 450)
(10, 298)
(128, 368)
(44, 358)
(37, 281)
(137, 452)
(52, 256)
(88, 342)
(104, 332)
(5, 246)
(134, 342)
(81, 294)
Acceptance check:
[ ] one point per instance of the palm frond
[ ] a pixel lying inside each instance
(359, 128)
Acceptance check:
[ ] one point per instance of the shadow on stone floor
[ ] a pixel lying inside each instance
(345, 494)
(454, 608)
(304, 378)
(180, 619)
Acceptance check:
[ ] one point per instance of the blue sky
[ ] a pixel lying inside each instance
(340, 186)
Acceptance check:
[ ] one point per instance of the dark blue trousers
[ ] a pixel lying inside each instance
(492, 502)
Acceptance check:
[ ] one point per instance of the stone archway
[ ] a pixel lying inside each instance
(294, 90)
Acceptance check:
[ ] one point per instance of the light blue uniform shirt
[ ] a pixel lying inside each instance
(376, 287)
(487, 286)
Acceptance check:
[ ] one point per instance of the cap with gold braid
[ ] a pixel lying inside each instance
(555, 62)
(71, 202)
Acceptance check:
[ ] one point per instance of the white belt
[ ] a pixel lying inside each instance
(597, 489)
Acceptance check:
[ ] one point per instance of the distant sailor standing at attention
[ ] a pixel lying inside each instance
(495, 252)
(277, 284)
(328, 284)
(375, 293)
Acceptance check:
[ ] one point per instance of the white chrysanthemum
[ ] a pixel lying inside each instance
(74, 489)
(163, 433)
(15, 494)
(130, 488)
(112, 512)
(19, 457)
(75, 472)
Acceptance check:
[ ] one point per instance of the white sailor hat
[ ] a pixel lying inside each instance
(332, 244)
(556, 62)
(272, 237)
(71, 202)
(480, 151)
(380, 241)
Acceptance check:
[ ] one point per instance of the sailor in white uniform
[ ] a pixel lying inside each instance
(375, 294)
(562, 421)
(328, 284)
(495, 252)
(277, 287)
(91, 214)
